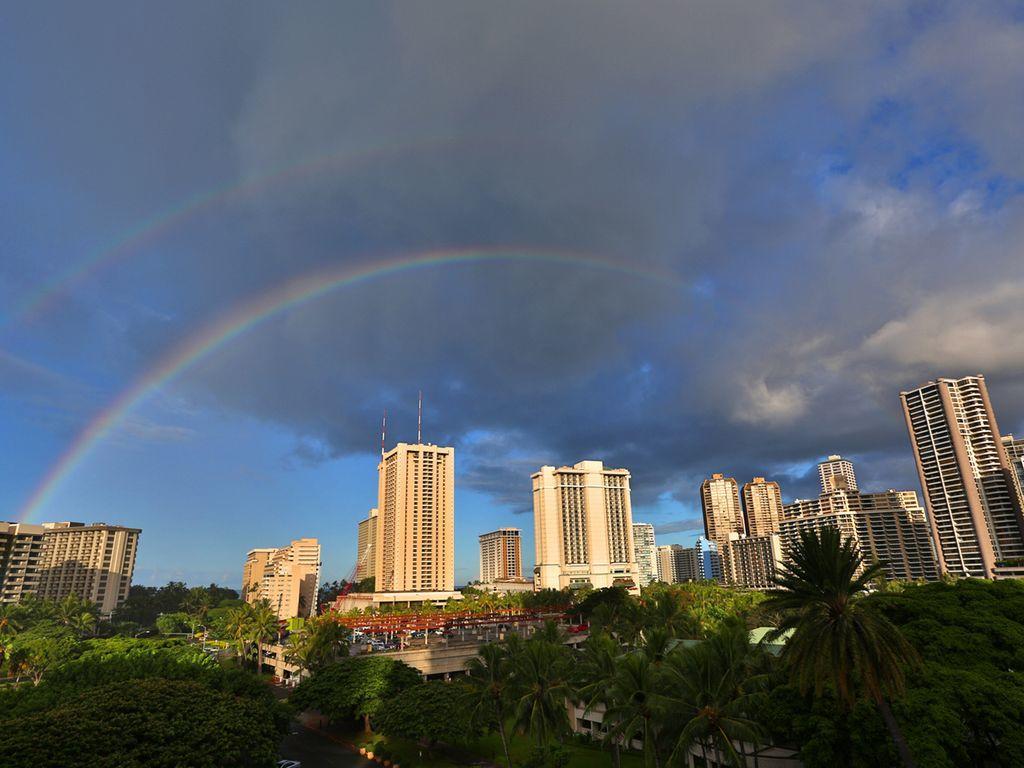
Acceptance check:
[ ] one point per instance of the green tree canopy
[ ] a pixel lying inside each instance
(154, 723)
(430, 712)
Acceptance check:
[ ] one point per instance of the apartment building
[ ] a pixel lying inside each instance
(723, 514)
(583, 527)
(501, 556)
(415, 540)
(888, 527)
(1015, 455)
(973, 505)
(289, 579)
(95, 562)
(762, 507)
(366, 546)
(701, 562)
(836, 474)
(21, 559)
(752, 561)
(645, 552)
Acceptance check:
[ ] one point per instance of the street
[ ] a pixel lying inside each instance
(316, 751)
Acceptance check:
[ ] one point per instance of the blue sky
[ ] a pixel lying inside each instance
(829, 199)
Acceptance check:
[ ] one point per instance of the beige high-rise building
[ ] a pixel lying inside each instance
(645, 552)
(94, 562)
(1015, 455)
(888, 527)
(753, 561)
(762, 505)
(366, 547)
(720, 501)
(969, 490)
(500, 556)
(252, 572)
(416, 520)
(289, 580)
(836, 474)
(583, 527)
(21, 559)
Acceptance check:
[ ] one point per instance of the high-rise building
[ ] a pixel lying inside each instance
(762, 505)
(583, 527)
(1015, 455)
(645, 553)
(252, 572)
(969, 490)
(366, 547)
(887, 527)
(500, 556)
(416, 520)
(701, 562)
(94, 562)
(21, 559)
(290, 578)
(720, 500)
(752, 561)
(836, 474)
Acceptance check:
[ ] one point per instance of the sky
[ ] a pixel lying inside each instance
(678, 237)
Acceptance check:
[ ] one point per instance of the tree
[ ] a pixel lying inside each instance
(592, 677)
(262, 627)
(429, 713)
(12, 621)
(540, 688)
(838, 639)
(710, 689)
(487, 690)
(172, 623)
(631, 699)
(156, 723)
(237, 624)
(43, 647)
(356, 687)
(319, 643)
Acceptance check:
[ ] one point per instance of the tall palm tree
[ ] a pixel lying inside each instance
(631, 701)
(540, 688)
(237, 623)
(592, 675)
(711, 688)
(488, 682)
(837, 638)
(263, 627)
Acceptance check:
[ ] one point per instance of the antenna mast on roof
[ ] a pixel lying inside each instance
(383, 430)
(419, 420)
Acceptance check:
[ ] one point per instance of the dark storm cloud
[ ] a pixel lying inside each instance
(680, 526)
(830, 194)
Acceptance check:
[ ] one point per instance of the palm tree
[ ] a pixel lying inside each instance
(713, 686)
(237, 624)
(12, 621)
(592, 675)
(263, 626)
(540, 688)
(488, 679)
(631, 699)
(83, 622)
(837, 638)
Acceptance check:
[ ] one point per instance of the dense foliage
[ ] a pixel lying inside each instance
(154, 723)
(145, 604)
(428, 713)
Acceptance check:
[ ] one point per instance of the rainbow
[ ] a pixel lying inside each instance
(295, 292)
(155, 227)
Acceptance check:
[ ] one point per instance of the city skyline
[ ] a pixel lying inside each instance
(233, 238)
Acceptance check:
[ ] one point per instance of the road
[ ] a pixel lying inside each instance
(316, 751)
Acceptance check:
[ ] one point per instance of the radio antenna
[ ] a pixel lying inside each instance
(419, 420)
(383, 430)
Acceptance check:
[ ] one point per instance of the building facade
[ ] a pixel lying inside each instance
(752, 561)
(973, 505)
(289, 580)
(720, 502)
(1015, 455)
(501, 556)
(762, 507)
(21, 560)
(415, 549)
(645, 552)
(252, 572)
(366, 547)
(95, 562)
(836, 474)
(888, 527)
(583, 527)
(701, 562)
